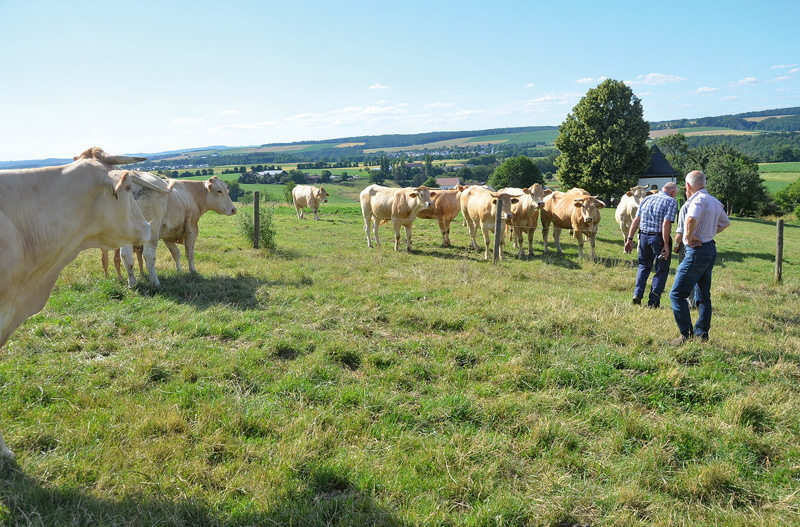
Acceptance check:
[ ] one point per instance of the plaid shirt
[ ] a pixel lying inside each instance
(654, 209)
(709, 214)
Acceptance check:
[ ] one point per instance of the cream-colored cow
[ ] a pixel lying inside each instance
(47, 216)
(479, 208)
(628, 207)
(446, 206)
(526, 213)
(398, 205)
(308, 196)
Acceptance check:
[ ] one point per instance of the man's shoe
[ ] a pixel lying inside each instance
(703, 337)
(683, 339)
(637, 301)
(653, 306)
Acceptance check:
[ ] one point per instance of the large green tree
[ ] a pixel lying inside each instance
(519, 172)
(603, 141)
(676, 150)
(733, 179)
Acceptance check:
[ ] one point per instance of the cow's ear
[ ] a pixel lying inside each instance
(548, 191)
(123, 183)
(208, 183)
(600, 204)
(494, 201)
(433, 194)
(526, 190)
(322, 189)
(412, 195)
(514, 200)
(629, 193)
(579, 203)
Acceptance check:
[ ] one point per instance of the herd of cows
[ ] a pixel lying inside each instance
(49, 215)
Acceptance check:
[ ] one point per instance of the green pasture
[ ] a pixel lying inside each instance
(779, 167)
(328, 383)
(778, 176)
(546, 136)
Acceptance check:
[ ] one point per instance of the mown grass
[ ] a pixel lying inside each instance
(332, 384)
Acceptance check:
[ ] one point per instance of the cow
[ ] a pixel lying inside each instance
(186, 203)
(308, 196)
(627, 208)
(446, 206)
(526, 213)
(575, 210)
(398, 205)
(47, 216)
(479, 208)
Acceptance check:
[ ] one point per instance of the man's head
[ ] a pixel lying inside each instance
(670, 189)
(695, 180)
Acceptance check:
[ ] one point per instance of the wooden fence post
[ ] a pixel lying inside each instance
(256, 218)
(498, 236)
(779, 254)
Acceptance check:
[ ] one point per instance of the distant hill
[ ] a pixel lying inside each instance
(778, 120)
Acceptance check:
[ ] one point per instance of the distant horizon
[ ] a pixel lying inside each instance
(162, 77)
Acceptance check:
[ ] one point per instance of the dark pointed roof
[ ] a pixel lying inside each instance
(659, 166)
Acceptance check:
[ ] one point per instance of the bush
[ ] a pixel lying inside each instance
(266, 228)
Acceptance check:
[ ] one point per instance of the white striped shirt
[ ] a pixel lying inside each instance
(709, 214)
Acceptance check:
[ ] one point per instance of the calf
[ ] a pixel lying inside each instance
(398, 205)
(446, 206)
(479, 208)
(627, 208)
(575, 210)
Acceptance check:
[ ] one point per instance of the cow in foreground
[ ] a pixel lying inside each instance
(398, 205)
(186, 203)
(446, 206)
(627, 208)
(479, 208)
(47, 216)
(575, 210)
(308, 196)
(526, 213)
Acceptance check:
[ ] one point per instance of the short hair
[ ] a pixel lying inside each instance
(669, 187)
(696, 179)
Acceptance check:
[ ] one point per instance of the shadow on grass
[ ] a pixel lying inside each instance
(205, 291)
(324, 498)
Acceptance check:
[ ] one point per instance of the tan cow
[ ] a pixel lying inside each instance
(398, 205)
(575, 210)
(526, 213)
(187, 202)
(308, 196)
(628, 207)
(446, 206)
(479, 208)
(47, 216)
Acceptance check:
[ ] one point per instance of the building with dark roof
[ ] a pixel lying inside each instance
(660, 171)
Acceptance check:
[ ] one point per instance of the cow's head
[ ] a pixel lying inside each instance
(322, 196)
(117, 216)
(424, 195)
(537, 194)
(637, 193)
(589, 207)
(217, 198)
(507, 200)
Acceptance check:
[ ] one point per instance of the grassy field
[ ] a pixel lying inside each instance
(778, 176)
(332, 384)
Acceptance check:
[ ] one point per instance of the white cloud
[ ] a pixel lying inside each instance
(780, 79)
(784, 66)
(704, 90)
(793, 71)
(745, 81)
(729, 98)
(589, 80)
(248, 127)
(530, 85)
(378, 87)
(187, 121)
(439, 104)
(654, 79)
(230, 112)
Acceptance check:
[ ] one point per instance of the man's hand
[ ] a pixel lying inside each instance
(628, 246)
(693, 241)
(678, 244)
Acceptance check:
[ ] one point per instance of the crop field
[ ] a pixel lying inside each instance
(327, 383)
(700, 130)
(778, 176)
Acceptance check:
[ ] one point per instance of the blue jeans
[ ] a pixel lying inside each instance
(694, 270)
(649, 249)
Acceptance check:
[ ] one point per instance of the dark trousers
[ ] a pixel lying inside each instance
(650, 247)
(695, 270)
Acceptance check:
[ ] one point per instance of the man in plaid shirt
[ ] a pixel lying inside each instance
(654, 221)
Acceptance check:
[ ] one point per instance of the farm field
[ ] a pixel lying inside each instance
(332, 384)
(700, 130)
(778, 176)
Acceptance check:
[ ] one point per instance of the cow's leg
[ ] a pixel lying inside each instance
(408, 237)
(367, 225)
(579, 237)
(126, 254)
(104, 261)
(545, 230)
(530, 241)
(557, 240)
(473, 244)
(591, 237)
(150, 257)
(176, 254)
(443, 229)
(299, 211)
(118, 264)
(376, 223)
(486, 241)
(316, 216)
(396, 229)
(191, 237)
(4, 451)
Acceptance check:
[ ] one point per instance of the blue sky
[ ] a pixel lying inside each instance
(152, 76)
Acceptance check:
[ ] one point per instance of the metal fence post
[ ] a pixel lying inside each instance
(779, 254)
